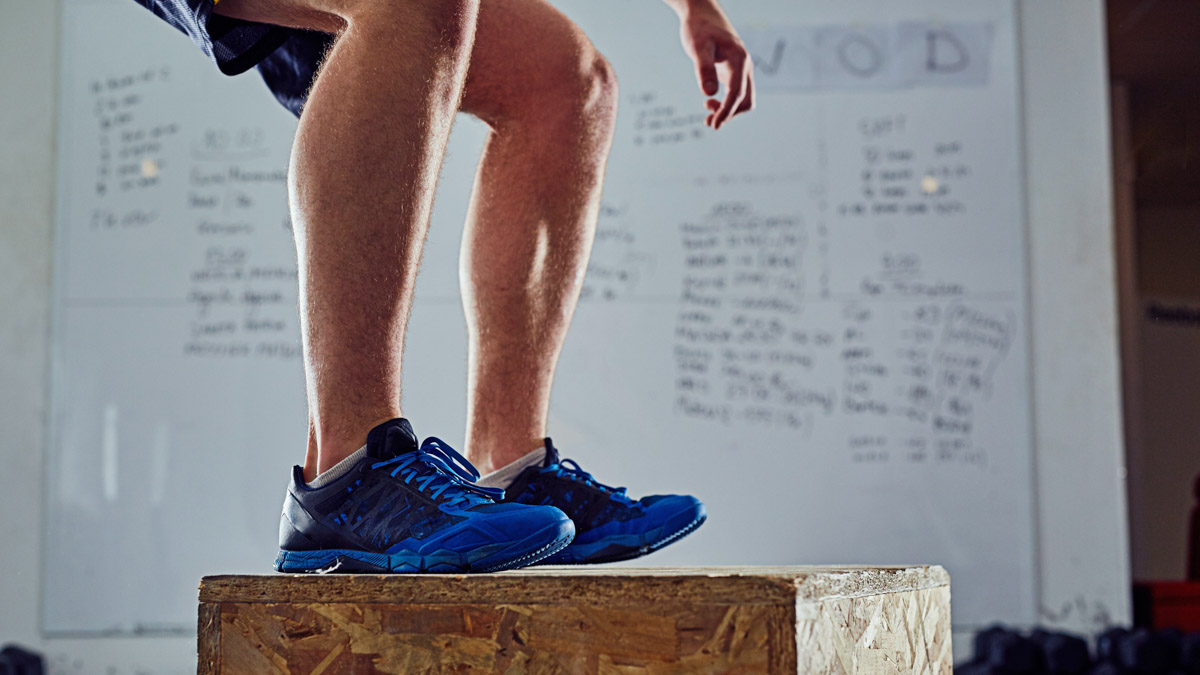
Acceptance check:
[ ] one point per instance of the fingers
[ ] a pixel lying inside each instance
(736, 87)
(706, 68)
(747, 100)
(713, 106)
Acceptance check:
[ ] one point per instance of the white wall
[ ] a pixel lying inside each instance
(28, 86)
(1079, 465)
(1080, 484)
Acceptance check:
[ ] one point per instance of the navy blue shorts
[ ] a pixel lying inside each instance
(287, 58)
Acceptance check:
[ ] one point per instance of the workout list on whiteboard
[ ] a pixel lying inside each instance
(832, 286)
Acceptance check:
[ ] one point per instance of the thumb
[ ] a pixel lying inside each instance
(706, 69)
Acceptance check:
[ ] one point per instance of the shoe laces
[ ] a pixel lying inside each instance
(567, 468)
(441, 471)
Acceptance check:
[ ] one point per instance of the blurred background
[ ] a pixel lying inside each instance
(934, 301)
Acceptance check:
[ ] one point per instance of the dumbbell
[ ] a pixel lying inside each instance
(1015, 654)
(982, 645)
(978, 668)
(1189, 657)
(1146, 652)
(1064, 654)
(1174, 638)
(17, 661)
(1107, 642)
(983, 641)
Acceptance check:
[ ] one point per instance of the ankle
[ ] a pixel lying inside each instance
(331, 454)
(504, 476)
(492, 456)
(328, 447)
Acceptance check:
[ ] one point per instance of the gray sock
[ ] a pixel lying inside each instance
(338, 470)
(505, 475)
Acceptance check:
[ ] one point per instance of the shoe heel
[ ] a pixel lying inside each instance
(330, 560)
(299, 562)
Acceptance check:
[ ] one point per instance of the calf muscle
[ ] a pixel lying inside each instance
(364, 166)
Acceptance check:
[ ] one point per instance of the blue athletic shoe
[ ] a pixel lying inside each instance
(609, 526)
(409, 509)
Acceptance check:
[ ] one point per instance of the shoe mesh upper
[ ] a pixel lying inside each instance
(381, 511)
(587, 505)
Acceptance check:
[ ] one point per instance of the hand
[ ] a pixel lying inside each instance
(720, 57)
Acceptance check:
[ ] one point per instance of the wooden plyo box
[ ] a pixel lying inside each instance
(581, 620)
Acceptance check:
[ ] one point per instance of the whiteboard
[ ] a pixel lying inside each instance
(815, 319)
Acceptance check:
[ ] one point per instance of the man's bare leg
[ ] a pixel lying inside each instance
(550, 99)
(363, 171)
(551, 102)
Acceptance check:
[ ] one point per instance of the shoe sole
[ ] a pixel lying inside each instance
(330, 561)
(627, 552)
(533, 558)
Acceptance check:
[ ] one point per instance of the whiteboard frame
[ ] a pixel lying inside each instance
(1082, 533)
(1083, 544)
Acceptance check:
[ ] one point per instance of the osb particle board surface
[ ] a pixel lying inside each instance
(733, 585)
(860, 620)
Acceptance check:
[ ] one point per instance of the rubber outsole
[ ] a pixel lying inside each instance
(622, 552)
(537, 556)
(441, 562)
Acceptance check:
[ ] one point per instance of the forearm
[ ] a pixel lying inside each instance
(682, 7)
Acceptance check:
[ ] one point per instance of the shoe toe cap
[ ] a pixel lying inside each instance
(678, 510)
(673, 503)
(524, 520)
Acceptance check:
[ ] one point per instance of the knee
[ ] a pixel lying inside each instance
(601, 89)
(593, 92)
(442, 24)
(578, 92)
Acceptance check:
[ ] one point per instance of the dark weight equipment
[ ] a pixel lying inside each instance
(1016, 655)
(17, 661)
(1146, 652)
(1064, 654)
(1106, 644)
(1189, 654)
(981, 668)
(984, 639)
